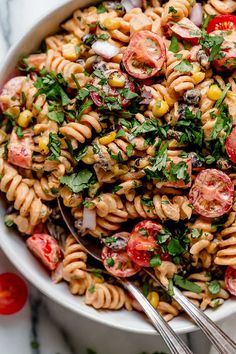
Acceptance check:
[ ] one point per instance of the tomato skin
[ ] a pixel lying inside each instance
(212, 193)
(121, 259)
(46, 248)
(228, 62)
(138, 51)
(13, 293)
(20, 151)
(223, 23)
(230, 280)
(230, 145)
(142, 244)
(187, 30)
(11, 90)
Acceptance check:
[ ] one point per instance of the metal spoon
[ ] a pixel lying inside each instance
(172, 340)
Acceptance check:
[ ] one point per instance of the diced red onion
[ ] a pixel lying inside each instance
(131, 4)
(105, 49)
(89, 219)
(196, 14)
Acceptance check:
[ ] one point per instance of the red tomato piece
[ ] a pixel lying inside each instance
(13, 293)
(11, 92)
(230, 280)
(228, 60)
(187, 30)
(118, 263)
(180, 183)
(230, 145)
(46, 248)
(222, 23)
(142, 245)
(212, 193)
(145, 56)
(37, 61)
(20, 151)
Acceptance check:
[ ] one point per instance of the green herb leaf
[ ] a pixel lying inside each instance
(147, 202)
(82, 94)
(174, 45)
(128, 94)
(222, 96)
(101, 9)
(116, 189)
(54, 146)
(110, 262)
(214, 44)
(145, 289)
(19, 132)
(58, 117)
(174, 247)
(214, 287)
(9, 222)
(83, 107)
(195, 233)
(186, 284)
(184, 66)
(91, 289)
(129, 150)
(78, 182)
(103, 36)
(81, 153)
(155, 261)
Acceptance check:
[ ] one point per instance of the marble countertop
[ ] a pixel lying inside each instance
(43, 327)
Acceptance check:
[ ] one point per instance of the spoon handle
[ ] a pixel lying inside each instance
(221, 341)
(174, 342)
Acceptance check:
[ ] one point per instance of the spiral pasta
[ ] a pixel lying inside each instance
(216, 7)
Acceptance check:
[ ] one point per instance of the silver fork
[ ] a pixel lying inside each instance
(172, 340)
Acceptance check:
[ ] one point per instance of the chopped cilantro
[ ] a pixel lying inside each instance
(19, 132)
(110, 262)
(103, 36)
(174, 45)
(145, 289)
(212, 43)
(91, 289)
(195, 233)
(143, 232)
(83, 107)
(222, 96)
(81, 153)
(5, 151)
(77, 182)
(101, 9)
(172, 10)
(120, 133)
(155, 261)
(186, 284)
(54, 146)
(214, 287)
(82, 94)
(9, 222)
(174, 247)
(129, 150)
(127, 93)
(184, 66)
(116, 189)
(56, 116)
(147, 202)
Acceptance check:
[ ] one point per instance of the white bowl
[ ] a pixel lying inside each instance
(14, 246)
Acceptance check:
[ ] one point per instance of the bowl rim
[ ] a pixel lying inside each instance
(21, 265)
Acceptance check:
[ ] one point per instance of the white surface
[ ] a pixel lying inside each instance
(15, 17)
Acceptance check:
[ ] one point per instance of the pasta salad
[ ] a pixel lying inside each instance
(128, 115)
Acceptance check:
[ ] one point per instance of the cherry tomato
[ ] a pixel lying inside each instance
(11, 91)
(212, 193)
(187, 30)
(228, 61)
(222, 23)
(46, 248)
(230, 280)
(142, 244)
(111, 91)
(13, 293)
(20, 151)
(230, 145)
(118, 263)
(145, 56)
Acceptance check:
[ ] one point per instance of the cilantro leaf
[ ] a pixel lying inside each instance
(175, 248)
(101, 9)
(222, 96)
(58, 117)
(77, 182)
(214, 44)
(214, 287)
(19, 132)
(184, 66)
(186, 284)
(174, 45)
(128, 94)
(54, 146)
(155, 261)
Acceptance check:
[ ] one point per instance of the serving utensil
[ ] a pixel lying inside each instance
(221, 341)
(172, 340)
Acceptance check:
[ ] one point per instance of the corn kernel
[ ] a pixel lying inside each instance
(214, 92)
(99, 280)
(160, 108)
(63, 144)
(107, 139)
(119, 170)
(198, 77)
(116, 80)
(43, 145)
(196, 68)
(88, 158)
(14, 112)
(69, 52)
(25, 118)
(153, 298)
(111, 23)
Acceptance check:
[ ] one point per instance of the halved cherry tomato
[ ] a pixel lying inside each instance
(230, 145)
(11, 92)
(118, 241)
(142, 245)
(118, 263)
(145, 56)
(222, 23)
(212, 193)
(228, 60)
(13, 293)
(187, 30)
(46, 248)
(20, 151)
(110, 91)
(230, 280)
